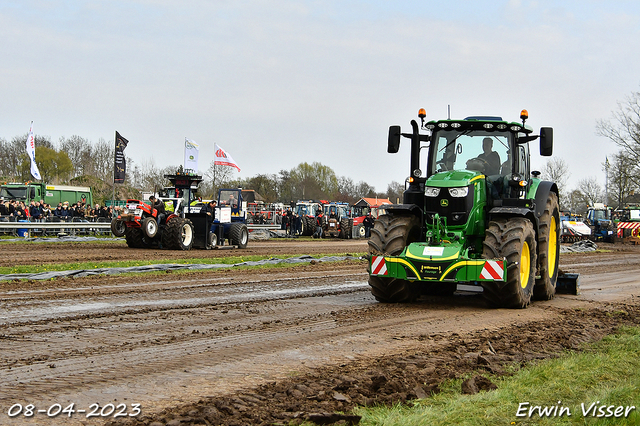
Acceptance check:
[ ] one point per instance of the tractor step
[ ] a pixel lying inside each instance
(568, 284)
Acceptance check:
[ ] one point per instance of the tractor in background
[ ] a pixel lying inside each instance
(230, 222)
(473, 214)
(337, 222)
(307, 211)
(600, 221)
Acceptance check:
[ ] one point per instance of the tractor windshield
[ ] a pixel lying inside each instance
(478, 150)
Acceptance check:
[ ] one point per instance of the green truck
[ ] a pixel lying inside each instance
(51, 194)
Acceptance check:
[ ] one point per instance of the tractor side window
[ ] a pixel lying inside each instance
(523, 159)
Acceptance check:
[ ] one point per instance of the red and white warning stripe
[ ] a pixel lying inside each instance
(493, 270)
(628, 225)
(378, 265)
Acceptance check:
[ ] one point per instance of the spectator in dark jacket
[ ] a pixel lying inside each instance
(57, 212)
(35, 210)
(368, 222)
(66, 213)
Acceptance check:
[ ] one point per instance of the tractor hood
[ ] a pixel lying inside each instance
(454, 178)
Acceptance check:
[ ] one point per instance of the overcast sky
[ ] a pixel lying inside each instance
(277, 83)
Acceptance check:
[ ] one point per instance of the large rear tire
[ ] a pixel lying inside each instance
(548, 250)
(345, 229)
(118, 227)
(308, 226)
(178, 234)
(515, 240)
(239, 235)
(134, 238)
(389, 236)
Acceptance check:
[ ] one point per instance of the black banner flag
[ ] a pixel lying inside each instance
(120, 163)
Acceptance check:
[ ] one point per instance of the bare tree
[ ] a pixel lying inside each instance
(79, 151)
(591, 191)
(556, 170)
(395, 191)
(216, 177)
(623, 128)
(622, 178)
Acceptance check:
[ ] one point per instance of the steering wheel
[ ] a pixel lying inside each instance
(443, 166)
(479, 163)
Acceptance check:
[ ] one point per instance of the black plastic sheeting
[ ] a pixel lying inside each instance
(60, 239)
(166, 267)
(579, 247)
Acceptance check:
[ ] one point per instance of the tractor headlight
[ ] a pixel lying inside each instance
(459, 192)
(432, 192)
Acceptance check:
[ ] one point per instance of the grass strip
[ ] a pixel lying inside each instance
(578, 388)
(32, 269)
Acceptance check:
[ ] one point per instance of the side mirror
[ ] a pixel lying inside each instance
(393, 144)
(546, 141)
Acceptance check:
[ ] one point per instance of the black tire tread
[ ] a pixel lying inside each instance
(545, 287)
(389, 236)
(504, 238)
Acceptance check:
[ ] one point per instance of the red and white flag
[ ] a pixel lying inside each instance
(31, 152)
(223, 159)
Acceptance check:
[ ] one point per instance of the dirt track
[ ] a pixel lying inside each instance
(256, 346)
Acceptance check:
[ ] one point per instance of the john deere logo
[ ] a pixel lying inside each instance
(444, 203)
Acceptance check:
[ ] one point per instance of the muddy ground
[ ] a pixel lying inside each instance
(249, 347)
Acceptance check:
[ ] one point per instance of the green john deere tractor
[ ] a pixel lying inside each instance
(475, 215)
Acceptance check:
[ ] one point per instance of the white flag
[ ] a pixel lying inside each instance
(31, 152)
(190, 155)
(223, 159)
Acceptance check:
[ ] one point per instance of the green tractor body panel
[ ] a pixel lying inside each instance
(453, 254)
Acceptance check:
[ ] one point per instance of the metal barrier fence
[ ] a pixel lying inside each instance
(29, 229)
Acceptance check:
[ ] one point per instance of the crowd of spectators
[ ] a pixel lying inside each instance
(39, 211)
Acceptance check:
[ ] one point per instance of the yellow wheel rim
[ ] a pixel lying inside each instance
(525, 265)
(553, 246)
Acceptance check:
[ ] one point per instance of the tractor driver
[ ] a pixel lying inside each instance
(159, 206)
(489, 159)
(233, 202)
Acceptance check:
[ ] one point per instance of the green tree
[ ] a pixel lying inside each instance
(265, 185)
(55, 167)
(313, 181)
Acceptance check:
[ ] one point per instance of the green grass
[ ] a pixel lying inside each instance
(32, 269)
(607, 371)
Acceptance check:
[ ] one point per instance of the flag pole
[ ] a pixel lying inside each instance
(113, 186)
(214, 171)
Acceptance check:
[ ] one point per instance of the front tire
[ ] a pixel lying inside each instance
(150, 227)
(389, 236)
(514, 240)
(548, 250)
(118, 227)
